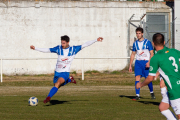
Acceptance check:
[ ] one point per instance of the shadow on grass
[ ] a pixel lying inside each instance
(140, 101)
(130, 97)
(149, 102)
(55, 102)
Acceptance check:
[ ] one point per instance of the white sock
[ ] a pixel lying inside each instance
(168, 114)
(163, 91)
(137, 95)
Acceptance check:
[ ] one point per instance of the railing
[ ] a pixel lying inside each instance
(82, 68)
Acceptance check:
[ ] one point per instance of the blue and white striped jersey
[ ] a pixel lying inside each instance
(65, 56)
(142, 49)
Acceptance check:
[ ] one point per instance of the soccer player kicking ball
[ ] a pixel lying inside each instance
(167, 61)
(66, 55)
(143, 50)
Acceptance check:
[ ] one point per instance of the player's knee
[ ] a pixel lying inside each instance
(160, 108)
(138, 78)
(163, 106)
(57, 84)
(162, 85)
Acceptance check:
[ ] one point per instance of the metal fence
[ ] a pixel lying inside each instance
(154, 23)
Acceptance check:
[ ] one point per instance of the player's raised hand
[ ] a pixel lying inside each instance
(32, 47)
(100, 39)
(130, 69)
(138, 85)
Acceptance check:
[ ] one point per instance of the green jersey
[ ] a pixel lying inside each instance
(167, 61)
(156, 51)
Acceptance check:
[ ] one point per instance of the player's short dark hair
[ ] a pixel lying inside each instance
(139, 29)
(158, 39)
(65, 38)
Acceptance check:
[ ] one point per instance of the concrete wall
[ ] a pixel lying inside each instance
(23, 25)
(177, 24)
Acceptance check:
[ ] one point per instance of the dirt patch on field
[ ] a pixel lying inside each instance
(88, 76)
(66, 89)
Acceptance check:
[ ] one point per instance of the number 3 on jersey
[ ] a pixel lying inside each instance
(174, 63)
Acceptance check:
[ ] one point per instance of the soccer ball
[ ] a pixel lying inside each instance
(33, 101)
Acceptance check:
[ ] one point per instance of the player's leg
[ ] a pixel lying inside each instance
(54, 89)
(138, 73)
(165, 103)
(150, 85)
(164, 109)
(176, 106)
(168, 114)
(164, 94)
(137, 81)
(70, 80)
(137, 90)
(59, 80)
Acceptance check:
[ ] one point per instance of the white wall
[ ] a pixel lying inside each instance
(24, 25)
(177, 24)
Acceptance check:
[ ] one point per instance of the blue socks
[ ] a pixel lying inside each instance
(53, 91)
(137, 90)
(150, 85)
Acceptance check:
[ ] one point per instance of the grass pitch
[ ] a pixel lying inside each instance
(100, 97)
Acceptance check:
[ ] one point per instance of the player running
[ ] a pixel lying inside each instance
(143, 50)
(66, 55)
(165, 102)
(167, 61)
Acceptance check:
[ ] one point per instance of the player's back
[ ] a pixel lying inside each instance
(168, 61)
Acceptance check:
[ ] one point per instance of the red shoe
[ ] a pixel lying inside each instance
(72, 80)
(47, 100)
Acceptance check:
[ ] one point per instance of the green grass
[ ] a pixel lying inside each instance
(74, 72)
(91, 71)
(95, 104)
(101, 96)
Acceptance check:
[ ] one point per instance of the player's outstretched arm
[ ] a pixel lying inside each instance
(91, 42)
(46, 50)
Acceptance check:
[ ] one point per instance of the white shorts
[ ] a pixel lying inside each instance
(175, 104)
(165, 99)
